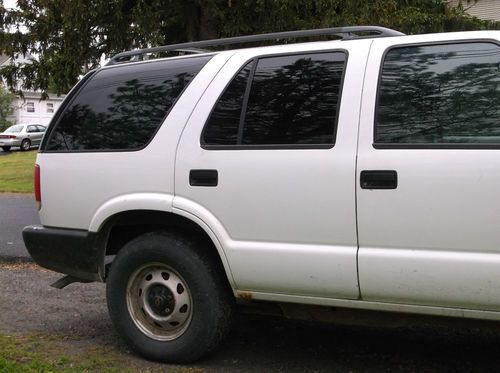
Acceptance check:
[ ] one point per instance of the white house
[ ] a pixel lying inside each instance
(488, 10)
(31, 108)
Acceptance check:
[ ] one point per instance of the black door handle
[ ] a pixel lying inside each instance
(384, 179)
(206, 178)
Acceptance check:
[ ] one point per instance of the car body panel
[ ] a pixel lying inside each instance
(148, 172)
(286, 223)
(279, 212)
(434, 240)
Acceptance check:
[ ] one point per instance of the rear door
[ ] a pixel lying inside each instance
(429, 170)
(41, 129)
(32, 134)
(271, 168)
(36, 136)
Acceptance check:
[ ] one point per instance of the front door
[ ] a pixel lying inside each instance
(429, 175)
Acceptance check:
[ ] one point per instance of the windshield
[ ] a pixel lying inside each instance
(14, 129)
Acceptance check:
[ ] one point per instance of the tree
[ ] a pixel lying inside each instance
(69, 37)
(6, 109)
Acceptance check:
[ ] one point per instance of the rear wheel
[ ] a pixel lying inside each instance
(25, 145)
(6, 148)
(159, 301)
(167, 298)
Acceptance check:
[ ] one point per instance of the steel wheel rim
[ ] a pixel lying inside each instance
(159, 302)
(25, 145)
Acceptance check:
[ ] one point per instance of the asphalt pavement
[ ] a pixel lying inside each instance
(16, 212)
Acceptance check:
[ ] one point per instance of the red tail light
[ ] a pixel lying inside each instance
(8, 137)
(38, 193)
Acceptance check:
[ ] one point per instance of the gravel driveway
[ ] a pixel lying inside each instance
(258, 344)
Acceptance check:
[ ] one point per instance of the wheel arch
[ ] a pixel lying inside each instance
(124, 226)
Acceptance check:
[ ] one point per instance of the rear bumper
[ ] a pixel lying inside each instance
(69, 251)
(10, 142)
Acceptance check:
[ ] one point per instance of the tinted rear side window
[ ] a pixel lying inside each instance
(122, 107)
(285, 101)
(440, 94)
(293, 100)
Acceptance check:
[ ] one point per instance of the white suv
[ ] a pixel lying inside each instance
(357, 173)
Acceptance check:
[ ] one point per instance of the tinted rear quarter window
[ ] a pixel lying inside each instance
(440, 94)
(120, 108)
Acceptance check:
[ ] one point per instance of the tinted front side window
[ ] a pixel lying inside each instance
(285, 100)
(121, 108)
(440, 94)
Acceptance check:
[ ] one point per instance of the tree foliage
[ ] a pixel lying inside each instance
(6, 109)
(69, 37)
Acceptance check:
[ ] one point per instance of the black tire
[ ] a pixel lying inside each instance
(211, 307)
(6, 148)
(25, 145)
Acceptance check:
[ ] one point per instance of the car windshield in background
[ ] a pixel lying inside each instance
(14, 129)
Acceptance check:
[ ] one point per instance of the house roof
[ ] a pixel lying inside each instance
(38, 96)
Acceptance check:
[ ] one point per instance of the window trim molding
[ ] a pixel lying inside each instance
(255, 60)
(457, 145)
(380, 145)
(267, 146)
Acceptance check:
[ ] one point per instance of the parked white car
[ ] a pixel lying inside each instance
(361, 173)
(23, 136)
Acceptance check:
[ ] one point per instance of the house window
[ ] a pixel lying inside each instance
(50, 107)
(30, 107)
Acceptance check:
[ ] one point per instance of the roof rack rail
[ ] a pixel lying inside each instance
(344, 33)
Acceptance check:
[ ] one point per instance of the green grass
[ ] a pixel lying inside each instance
(39, 353)
(16, 172)
(43, 353)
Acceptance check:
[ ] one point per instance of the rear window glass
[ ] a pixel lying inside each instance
(122, 107)
(14, 129)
